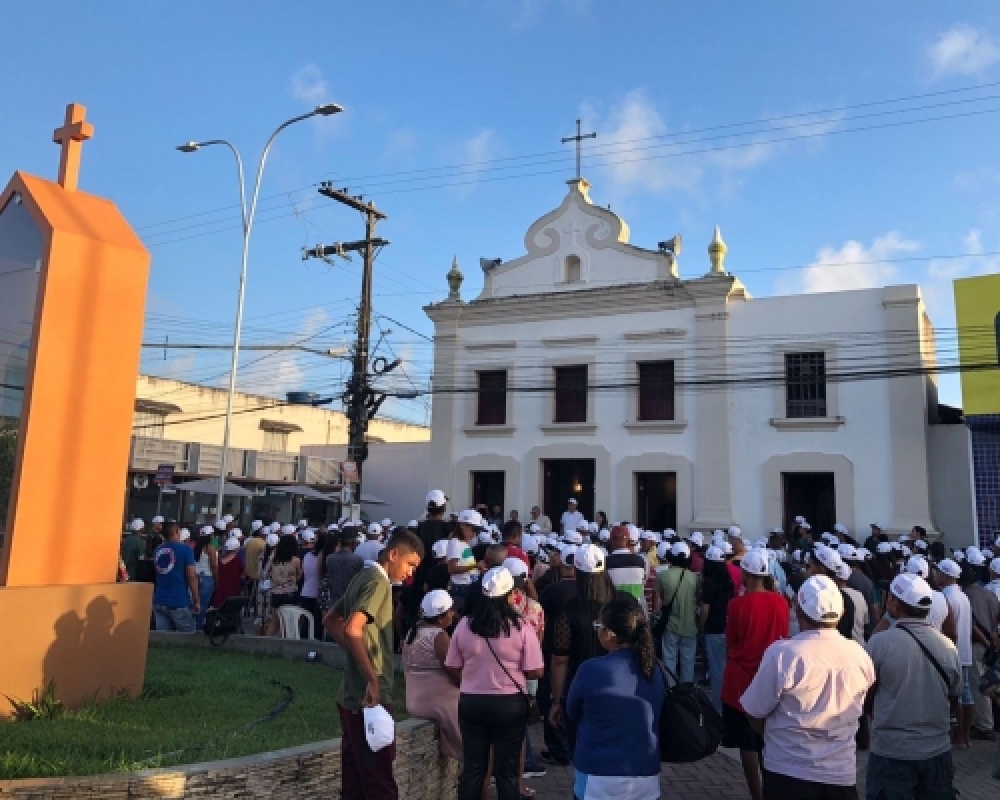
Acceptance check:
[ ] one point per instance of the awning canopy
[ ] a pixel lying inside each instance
(211, 486)
(279, 426)
(303, 491)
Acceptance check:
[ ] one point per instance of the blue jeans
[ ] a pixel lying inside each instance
(173, 619)
(682, 648)
(715, 654)
(895, 779)
(206, 588)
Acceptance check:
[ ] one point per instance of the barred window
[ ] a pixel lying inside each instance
(148, 423)
(805, 385)
(491, 397)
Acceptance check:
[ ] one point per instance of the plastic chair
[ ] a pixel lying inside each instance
(288, 622)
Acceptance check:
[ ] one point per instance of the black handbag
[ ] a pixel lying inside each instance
(690, 727)
(221, 623)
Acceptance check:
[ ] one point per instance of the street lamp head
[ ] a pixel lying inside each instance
(188, 147)
(328, 109)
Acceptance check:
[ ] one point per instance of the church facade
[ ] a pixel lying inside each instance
(587, 368)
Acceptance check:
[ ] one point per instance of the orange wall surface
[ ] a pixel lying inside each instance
(63, 524)
(89, 640)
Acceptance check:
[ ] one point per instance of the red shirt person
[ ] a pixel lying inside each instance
(753, 622)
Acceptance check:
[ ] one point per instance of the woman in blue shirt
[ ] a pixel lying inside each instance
(614, 703)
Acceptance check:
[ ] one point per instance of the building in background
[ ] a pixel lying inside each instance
(181, 425)
(587, 368)
(977, 314)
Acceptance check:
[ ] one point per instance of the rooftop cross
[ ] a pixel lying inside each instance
(579, 144)
(71, 136)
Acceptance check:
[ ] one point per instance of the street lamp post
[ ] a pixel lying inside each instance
(246, 217)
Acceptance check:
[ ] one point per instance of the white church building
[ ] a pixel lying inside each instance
(587, 368)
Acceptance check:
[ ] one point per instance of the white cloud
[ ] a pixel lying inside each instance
(962, 50)
(288, 375)
(474, 153)
(974, 180)
(401, 142)
(854, 266)
(309, 86)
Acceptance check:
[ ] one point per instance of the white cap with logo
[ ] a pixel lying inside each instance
(470, 517)
(497, 582)
(589, 558)
(440, 548)
(917, 565)
(912, 590)
(950, 568)
(755, 562)
(515, 566)
(820, 599)
(435, 603)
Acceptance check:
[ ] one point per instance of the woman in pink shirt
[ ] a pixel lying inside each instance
(494, 654)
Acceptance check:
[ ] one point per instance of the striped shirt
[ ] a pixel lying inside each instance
(627, 571)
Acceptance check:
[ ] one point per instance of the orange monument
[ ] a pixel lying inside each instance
(73, 279)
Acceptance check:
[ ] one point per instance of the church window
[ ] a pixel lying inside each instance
(571, 394)
(573, 272)
(805, 385)
(491, 397)
(656, 390)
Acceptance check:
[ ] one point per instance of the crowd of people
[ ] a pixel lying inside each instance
(811, 646)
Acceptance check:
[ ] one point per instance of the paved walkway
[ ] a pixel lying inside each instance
(720, 777)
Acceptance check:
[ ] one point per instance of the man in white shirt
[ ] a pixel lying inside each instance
(462, 565)
(543, 522)
(948, 573)
(571, 518)
(369, 549)
(807, 698)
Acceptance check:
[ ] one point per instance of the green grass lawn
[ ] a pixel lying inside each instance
(191, 696)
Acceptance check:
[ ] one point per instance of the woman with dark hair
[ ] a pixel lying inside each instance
(286, 571)
(431, 691)
(574, 637)
(614, 705)
(229, 575)
(716, 591)
(493, 655)
(206, 567)
(602, 521)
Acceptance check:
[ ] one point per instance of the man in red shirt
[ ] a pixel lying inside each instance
(753, 622)
(512, 541)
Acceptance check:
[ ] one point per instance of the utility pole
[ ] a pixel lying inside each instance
(361, 402)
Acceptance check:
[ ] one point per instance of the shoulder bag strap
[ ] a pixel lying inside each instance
(677, 589)
(517, 686)
(930, 657)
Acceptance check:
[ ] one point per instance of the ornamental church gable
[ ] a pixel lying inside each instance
(576, 246)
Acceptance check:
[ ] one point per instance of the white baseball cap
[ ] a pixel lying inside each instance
(604, 535)
(714, 554)
(387, 523)
(497, 582)
(974, 556)
(995, 566)
(529, 544)
(840, 528)
(912, 590)
(917, 565)
(435, 497)
(572, 500)
(950, 568)
(185, 534)
(515, 566)
(633, 534)
(272, 539)
(662, 549)
(275, 527)
(820, 599)
(412, 524)
(308, 536)
(829, 558)
(698, 538)
(232, 544)
(884, 548)
(847, 552)
(471, 517)
(726, 548)
(374, 529)
(220, 524)
(137, 525)
(573, 538)
(440, 548)
(157, 520)
(649, 536)
(799, 520)
(534, 527)
(680, 549)
(236, 532)
(920, 544)
(843, 571)
(206, 530)
(256, 525)
(754, 562)
(669, 533)
(435, 603)
(288, 530)
(589, 558)
(735, 530)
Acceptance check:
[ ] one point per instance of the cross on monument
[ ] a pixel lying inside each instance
(579, 145)
(71, 136)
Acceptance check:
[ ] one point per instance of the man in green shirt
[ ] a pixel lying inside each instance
(361, 623)
(133, 548)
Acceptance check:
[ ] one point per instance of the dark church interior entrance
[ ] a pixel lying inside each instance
(487, 490)
(566, 478)
(810, 495)
(656, 500)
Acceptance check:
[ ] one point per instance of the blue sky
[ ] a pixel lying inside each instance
(457, 83)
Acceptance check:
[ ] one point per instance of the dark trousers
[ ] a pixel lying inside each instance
(311, 604)
(364, 775)
(556, 740)
(785, 787)
(895, 779)
(497, 722)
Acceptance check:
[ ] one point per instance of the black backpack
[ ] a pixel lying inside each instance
(690, 727)
(221, 623)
